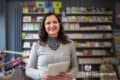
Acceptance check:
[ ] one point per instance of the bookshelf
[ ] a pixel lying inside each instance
(32, 15)
(91, 29)
(89, 26)
(116, 32)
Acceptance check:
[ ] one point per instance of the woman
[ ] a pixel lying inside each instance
(52, 47)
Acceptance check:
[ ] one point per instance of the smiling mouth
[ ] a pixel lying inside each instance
(53, 29)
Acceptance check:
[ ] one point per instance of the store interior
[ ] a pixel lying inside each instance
(94, 26)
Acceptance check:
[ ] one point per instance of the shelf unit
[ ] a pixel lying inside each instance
(89, 27)
(32, 15)
(89, 34)
(94, 40)
(31, 23)
(116, 29)
(116, 33)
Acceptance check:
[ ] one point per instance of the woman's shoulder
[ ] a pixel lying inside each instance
(35, 44)
(38, 43)
(71, 42)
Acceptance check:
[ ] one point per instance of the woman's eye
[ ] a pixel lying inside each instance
(48, 23)
(55, 22)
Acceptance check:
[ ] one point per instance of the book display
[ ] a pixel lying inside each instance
(93, 35)
(90, 27)
(116, 29)
(116, 32)
(32, 15)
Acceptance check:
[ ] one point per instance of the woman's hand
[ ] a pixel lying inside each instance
(46, 77)
(61, 76)
(66, 76)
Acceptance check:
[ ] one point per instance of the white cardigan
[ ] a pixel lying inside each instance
(41, 56)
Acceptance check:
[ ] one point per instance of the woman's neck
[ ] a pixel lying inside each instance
(53, 36)
(53, 42)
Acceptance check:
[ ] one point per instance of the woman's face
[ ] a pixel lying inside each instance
(52, 26)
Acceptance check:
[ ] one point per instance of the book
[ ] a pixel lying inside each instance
(56, 68)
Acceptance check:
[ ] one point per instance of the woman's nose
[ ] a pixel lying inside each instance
(52, 24)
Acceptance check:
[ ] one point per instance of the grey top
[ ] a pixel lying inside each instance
(41, 56)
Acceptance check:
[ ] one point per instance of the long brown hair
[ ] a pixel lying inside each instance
(43, 35)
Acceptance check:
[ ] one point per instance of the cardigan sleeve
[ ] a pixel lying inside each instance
(31, 70)
(74, 63)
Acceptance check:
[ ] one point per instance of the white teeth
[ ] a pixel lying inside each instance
(53, 29)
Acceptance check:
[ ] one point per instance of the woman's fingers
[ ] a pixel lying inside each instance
(61, 76)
